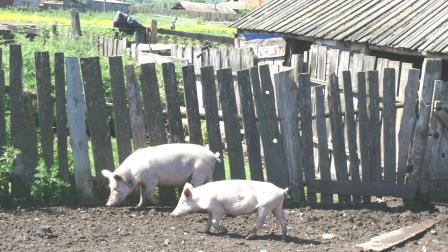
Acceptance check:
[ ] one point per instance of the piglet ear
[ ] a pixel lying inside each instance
(188, 194)
(118, 177)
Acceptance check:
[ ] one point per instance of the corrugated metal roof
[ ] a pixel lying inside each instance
(420, 25)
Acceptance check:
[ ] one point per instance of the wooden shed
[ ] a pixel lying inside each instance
(395, 29)
(203, 7)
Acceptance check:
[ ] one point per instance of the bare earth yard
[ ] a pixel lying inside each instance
(152, 229)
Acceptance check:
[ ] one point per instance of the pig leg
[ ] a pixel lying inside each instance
(142, 196)
(214, 220)
(261, 217)
(209, 224)
(280, 215)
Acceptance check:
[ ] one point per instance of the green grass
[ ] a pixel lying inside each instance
(102, 21)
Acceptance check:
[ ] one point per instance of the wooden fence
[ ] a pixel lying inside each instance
(269, 109)
(211, 16)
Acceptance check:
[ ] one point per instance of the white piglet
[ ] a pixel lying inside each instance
(162, 165)
(235, 197)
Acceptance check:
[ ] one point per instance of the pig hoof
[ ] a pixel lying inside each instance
(207, 231)
(284, 238)
(222, 230)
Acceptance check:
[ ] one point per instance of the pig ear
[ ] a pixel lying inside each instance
(106, 173)
(188, 185)
(118, 177)
(187, 193)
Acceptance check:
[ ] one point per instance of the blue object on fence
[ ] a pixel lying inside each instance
(252, 36)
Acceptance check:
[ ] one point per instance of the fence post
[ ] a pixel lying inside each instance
(432, 70)
(287, 103)
(153, 107)
(250, 126)
(76, 25)
(337, 133)
(305, 110)
(407, 122)
(153, 38)
(231, 123)
(212, 118)
(121, 113)
(135, 109)
(97, 121)
(321, 128)
(272, 141)
(191, 102)
(43, 85)
(76, 115)
(2, 107)
(351, 130)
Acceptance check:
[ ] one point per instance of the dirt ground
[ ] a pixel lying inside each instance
(152, 229)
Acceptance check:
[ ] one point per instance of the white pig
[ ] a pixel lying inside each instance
(163, 165)
(235, 197)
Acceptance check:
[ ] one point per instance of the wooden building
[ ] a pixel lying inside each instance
(395, 29)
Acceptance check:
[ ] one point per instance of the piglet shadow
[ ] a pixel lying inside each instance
(270, 237)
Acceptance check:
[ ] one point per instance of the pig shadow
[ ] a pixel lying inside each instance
(270, 237)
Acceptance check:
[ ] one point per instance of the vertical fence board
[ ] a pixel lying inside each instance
(305, 111)
(287, 104)
(97, 121)
(351, 131)
(374, 127)
(45, 105)
(212, 118)
(407, 122)
(135, 108)
(61, 115)
(432, 70)
(358, 66)
(313, 61)
(389, 114)
(120, 108)
(231, 123)
(76, 116)
(321, 128)
(250, 126)
(25, 164)
(363, 135)
(337, 133)
(172, 103)
(2, 106)
(191, 102)
(276, 169)
(321, 62)
(155, 121)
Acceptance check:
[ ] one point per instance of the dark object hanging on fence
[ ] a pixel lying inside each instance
(126, 23)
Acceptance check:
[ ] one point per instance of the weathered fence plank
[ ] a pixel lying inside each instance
(231, 123)
(432, 70)
(61, 115)
(212, 118)
(97, 121)
(250, 126)
(276, 168)
(76, 116)
(351, 130)
(389, 114)
(76, 24)
(2, 106)
(25, 164)
(305, 111)
(174, 117)
(45, 105)
(191, 102)
(363, 135)
(337, 133)
(322, 137)
(153, 106)
(120, 108)
(321, 62)
(374, 127)
(288, 109)
(407, 122)
(313, 61)
(135, 108)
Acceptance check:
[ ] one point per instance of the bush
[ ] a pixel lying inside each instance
(48, 188)
(6, 163)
